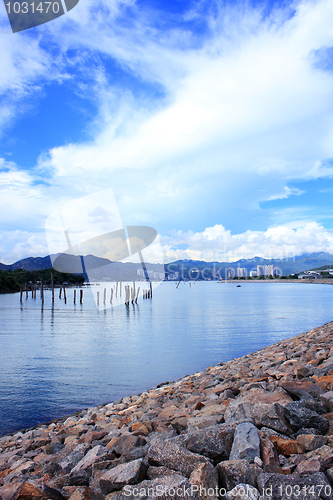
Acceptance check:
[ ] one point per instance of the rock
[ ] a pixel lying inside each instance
(283, 487)
(74, 458)
(327, 400)
(298, 389)
(122, 475)
(29, 491)
(96, 454)
(309, 402)
(287, 447)
(174, 457)
(213, 442)
(200, 422)
(246, 444)
(311, 442)
(243, 492)
(204, 481)
(268, 452)
(123, 445)
(155, 472)
(82, 493)
(300, 417)
(267, 415)
(310, 466)
(174, 487)
(233, 472)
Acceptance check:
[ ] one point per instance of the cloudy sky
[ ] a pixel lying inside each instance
(211, 120)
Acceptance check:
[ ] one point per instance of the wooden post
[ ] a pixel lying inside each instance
(65, 297)
(98, 298)
(137, 295)
(32, 292)
(104, 295)
(21, 294)
(60, 293)
(26, 290)
(120, 288)
(52, 286)
(134, 288)
(74, 296)
(151, 289)
(111, 297)
(81, 296)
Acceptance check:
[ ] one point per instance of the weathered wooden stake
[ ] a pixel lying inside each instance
(81, 296)
(26, 290)
(137, 295)
(117, 289)
(60, 293)
(111, 297)
(21, 294)
(151, 289)
(98, 298)
(74, 296)
(52, 286)
(120, 283)
(65, 297)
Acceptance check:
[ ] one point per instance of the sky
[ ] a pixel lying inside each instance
(211, 121)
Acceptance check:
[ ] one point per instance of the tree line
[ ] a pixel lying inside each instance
(11, 281)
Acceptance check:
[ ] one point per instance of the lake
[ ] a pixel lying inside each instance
(55, 361)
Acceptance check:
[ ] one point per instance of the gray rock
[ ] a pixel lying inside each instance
(202, 421)
(243, 492)
(213, 442)
(260, 414)
(122, 475)
(327, 400)
(233, 472)
(246, 443)
(174, 457)
(300, 417)
(74, 458)
(94, 455)
(292, 487)
(309, 402)
(155, 472)
(176, 487)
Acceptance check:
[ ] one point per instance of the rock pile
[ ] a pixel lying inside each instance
(257, 427)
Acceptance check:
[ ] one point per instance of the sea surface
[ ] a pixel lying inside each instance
(55, 361)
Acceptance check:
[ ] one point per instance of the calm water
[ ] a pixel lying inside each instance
(54, 362)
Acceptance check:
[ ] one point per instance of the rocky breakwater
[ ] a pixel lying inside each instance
(257, 427)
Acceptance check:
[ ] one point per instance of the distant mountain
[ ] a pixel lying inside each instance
(104, 268)
(29, 264)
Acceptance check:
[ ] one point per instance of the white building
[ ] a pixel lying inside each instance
(241, 272)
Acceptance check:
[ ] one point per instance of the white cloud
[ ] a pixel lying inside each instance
(218, 244)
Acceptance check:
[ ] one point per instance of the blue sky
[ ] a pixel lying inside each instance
(212, 121)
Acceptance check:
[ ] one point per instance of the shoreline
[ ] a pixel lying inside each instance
(264, 417)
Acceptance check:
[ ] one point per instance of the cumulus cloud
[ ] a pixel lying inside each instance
(218, 244)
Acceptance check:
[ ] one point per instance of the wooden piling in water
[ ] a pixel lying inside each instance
(52, 288)
(111, 296)
(35, 291)
(151, 289)
(137, 295)
(81, 296)
(65, 297)
(120, 284)
(74, 298)
(60, 293)
(98, 298)
(26, 290)
(21, 294)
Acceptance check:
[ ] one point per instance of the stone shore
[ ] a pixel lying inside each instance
(259, 427)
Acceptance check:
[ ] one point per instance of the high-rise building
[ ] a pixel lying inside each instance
(241, 272)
